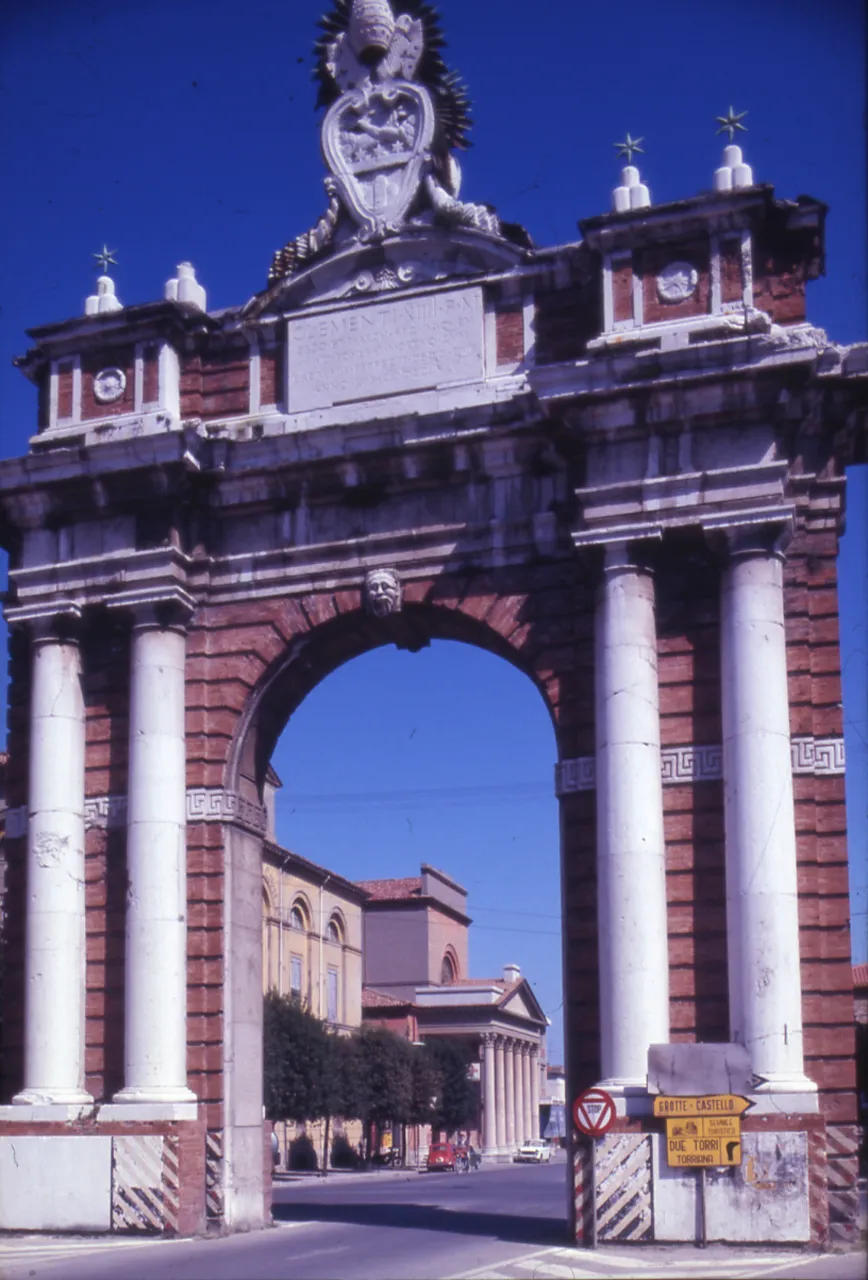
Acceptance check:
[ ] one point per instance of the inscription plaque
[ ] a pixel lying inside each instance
(405, 344)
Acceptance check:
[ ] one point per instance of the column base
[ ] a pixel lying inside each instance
(52, 1097)
(140, 1094)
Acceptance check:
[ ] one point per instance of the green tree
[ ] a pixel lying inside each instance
(384, 1083)
(457, 1103)
(306, 1072)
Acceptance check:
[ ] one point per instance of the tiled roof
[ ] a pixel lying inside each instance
(860, 975)
(373, 999)
(382, 890)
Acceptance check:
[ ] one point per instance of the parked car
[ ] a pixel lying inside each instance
(534, 1151)
(441, 1156)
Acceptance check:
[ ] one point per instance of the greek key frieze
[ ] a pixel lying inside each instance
(204, 804)
(822, 757)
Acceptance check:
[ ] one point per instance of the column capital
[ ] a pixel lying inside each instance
(769, 534)
(58, 620)
(166, 609)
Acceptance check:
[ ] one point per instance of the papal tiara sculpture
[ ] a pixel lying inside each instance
(395, 116)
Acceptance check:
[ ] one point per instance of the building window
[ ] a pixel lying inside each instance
(295, 975)
(332, 995)
(448, 971)
(296, 919)
(333, 932)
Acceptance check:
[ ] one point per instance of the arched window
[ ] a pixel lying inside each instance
(296, 919)
(448, 969)
(334, 932)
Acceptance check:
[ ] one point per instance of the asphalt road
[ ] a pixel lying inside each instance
(501, 1223)
(388, 1226)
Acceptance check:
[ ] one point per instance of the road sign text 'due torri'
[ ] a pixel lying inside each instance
(702, 1132)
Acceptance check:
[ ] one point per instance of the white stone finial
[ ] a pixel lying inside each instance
(632, 193)
(184, 287)
(105, 298)
(733, 173)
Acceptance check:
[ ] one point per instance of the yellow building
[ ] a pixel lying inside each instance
(312, 937)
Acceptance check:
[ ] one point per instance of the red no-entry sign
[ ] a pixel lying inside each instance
(593, 1112)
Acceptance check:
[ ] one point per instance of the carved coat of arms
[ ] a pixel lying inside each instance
(395, 116)
(376, 140)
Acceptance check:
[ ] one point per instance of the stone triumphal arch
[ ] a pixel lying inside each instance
(617, 463)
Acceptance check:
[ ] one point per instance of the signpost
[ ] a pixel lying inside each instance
(594, 1113)
(702, 1133)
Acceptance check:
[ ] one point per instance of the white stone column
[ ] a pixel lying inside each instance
(155, 1017)
(500, 1094)
(489, 1114)
(761, 882)
(631, 882)
(509, 1073)
(527, 1123)
(54, 1009)
(534, 1094)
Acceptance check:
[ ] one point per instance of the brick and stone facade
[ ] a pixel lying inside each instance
(618, 465)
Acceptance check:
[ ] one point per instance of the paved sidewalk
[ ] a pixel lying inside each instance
(649, 1262)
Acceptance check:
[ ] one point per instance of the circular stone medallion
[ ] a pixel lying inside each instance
(109, 385)
(677, 281)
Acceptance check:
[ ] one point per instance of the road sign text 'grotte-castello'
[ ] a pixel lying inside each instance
(616, 463)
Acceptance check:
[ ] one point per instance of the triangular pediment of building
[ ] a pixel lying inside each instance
(415, 258)
(522, 1003)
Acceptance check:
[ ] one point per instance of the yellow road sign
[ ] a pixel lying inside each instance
(718, 1104)
(698, 1153)
(709, 1127)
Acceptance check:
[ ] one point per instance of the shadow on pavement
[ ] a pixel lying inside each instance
(418, 1217)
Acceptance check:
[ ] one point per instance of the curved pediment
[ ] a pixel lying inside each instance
(418, 256)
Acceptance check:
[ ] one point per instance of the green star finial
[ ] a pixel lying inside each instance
(628, 146)
(731, 123)
(105, 258)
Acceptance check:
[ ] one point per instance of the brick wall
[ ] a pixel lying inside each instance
(122, 359)
(216, 383)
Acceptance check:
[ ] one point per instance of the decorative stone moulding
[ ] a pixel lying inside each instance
(677, 282)
(109, 385)
(820, 757)
(108, 813)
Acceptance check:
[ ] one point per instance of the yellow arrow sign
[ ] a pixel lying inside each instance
(698, 1153)
(717, 1104)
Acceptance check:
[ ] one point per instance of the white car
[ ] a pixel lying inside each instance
(534, 1151)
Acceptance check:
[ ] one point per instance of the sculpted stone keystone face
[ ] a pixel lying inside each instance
(382, 592)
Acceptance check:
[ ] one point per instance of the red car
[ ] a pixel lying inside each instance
(441, 1155)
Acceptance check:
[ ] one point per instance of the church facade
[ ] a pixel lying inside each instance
(616, 463)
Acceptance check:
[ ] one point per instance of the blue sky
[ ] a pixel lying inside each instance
(175, 129)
